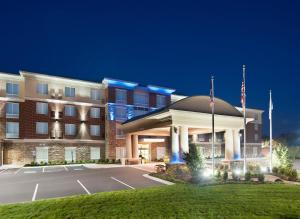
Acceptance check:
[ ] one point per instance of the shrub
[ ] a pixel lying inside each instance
(225, 175)
(235, 177)
(65, 162)
(248, 176)
(32, 163)
(113, 161)
(194, 160)
(218, 174)
(275, 170)
(291, 174)
(261, 177)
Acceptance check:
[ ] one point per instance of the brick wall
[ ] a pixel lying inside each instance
(111, 141)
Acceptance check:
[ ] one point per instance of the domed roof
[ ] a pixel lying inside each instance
(201, 104)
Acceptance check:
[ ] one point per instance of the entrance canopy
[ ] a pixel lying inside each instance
(194, 112)
(190, 116)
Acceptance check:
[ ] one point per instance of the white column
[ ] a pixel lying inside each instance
(135, 148)
(228, 144)
(237, 144)
(184, 139)
(175, 144)
(195, 138)
(128, 146)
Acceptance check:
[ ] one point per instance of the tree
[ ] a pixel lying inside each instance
(194, 160)
(280, 156)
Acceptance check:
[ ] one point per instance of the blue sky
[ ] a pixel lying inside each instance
(177, 44)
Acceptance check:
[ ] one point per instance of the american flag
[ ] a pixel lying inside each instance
(243, 95)
(212, 98)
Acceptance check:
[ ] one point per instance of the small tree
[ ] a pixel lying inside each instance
(280, 156)
(194, 160)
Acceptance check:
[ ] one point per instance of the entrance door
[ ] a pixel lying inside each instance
(70, 154)
(144, 150)
(41, 154)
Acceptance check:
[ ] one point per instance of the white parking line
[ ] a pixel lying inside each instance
(87, 191)
(3, 171)
(66, 168)
(35, 191)
(30, 171)
(43, 169)
(17, 170)
(122, 182)
(78, 169)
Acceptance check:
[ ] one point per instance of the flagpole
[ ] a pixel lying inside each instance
(213, 125)
(244, 113)
(271, 137)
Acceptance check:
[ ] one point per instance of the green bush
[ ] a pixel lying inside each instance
(291, 174)
(248, 176)
(261, 177)
(194, 160)
(225, 175)
(275, 170)
(218, 174)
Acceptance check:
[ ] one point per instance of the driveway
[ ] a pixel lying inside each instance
(34, 183)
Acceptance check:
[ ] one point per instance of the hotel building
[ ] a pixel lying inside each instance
(46, 118)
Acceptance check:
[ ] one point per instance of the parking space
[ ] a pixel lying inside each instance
(34, 183)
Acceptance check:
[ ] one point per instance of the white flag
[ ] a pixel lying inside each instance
(270, 106)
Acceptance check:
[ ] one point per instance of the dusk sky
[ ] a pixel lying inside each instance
(166, 43)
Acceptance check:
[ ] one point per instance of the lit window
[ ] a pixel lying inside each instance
(160, 101)
(12, 110)
(95, 113)
(256, 126)
(70, 110)
(95, 94)
(42, 89)
(95, 130)
(69, 91)
(12, 130)
(70, 129)
(121, 96)
(42, 108)
(141, 99)
(12, 89)
(42, 128)
(121, 113)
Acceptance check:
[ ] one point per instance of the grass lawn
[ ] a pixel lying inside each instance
(177, 201)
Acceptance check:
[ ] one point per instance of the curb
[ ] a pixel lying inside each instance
(158, 180)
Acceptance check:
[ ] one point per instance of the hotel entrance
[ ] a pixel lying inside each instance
(144, 151)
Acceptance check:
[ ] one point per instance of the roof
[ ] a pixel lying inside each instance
(200, 104)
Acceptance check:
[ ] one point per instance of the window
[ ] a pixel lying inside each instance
(256, 137)
(70, 129)
(41, 154)
(12, 110)
(120, 152)
(70, 110)
(160, 153)
(70, 154)
(255, 126)
(95, 113)
(95, 153)
(42, 128)
(121, 96)
(69, 91)
(139, 112)
(160, 101)
(95, 94)
(141, 99)
(121, 113)
(42, 108)
(12, 130)
(42, 89)
(12, 89)
(95, 130)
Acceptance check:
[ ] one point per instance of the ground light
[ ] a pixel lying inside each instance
(207, 173)
(263, 169)
(237, 172)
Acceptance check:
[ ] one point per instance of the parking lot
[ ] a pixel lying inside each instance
(34, 183)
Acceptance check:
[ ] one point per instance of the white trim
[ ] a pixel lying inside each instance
(10, 76)
(65, 101)
(55, 140)
(158, 180)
